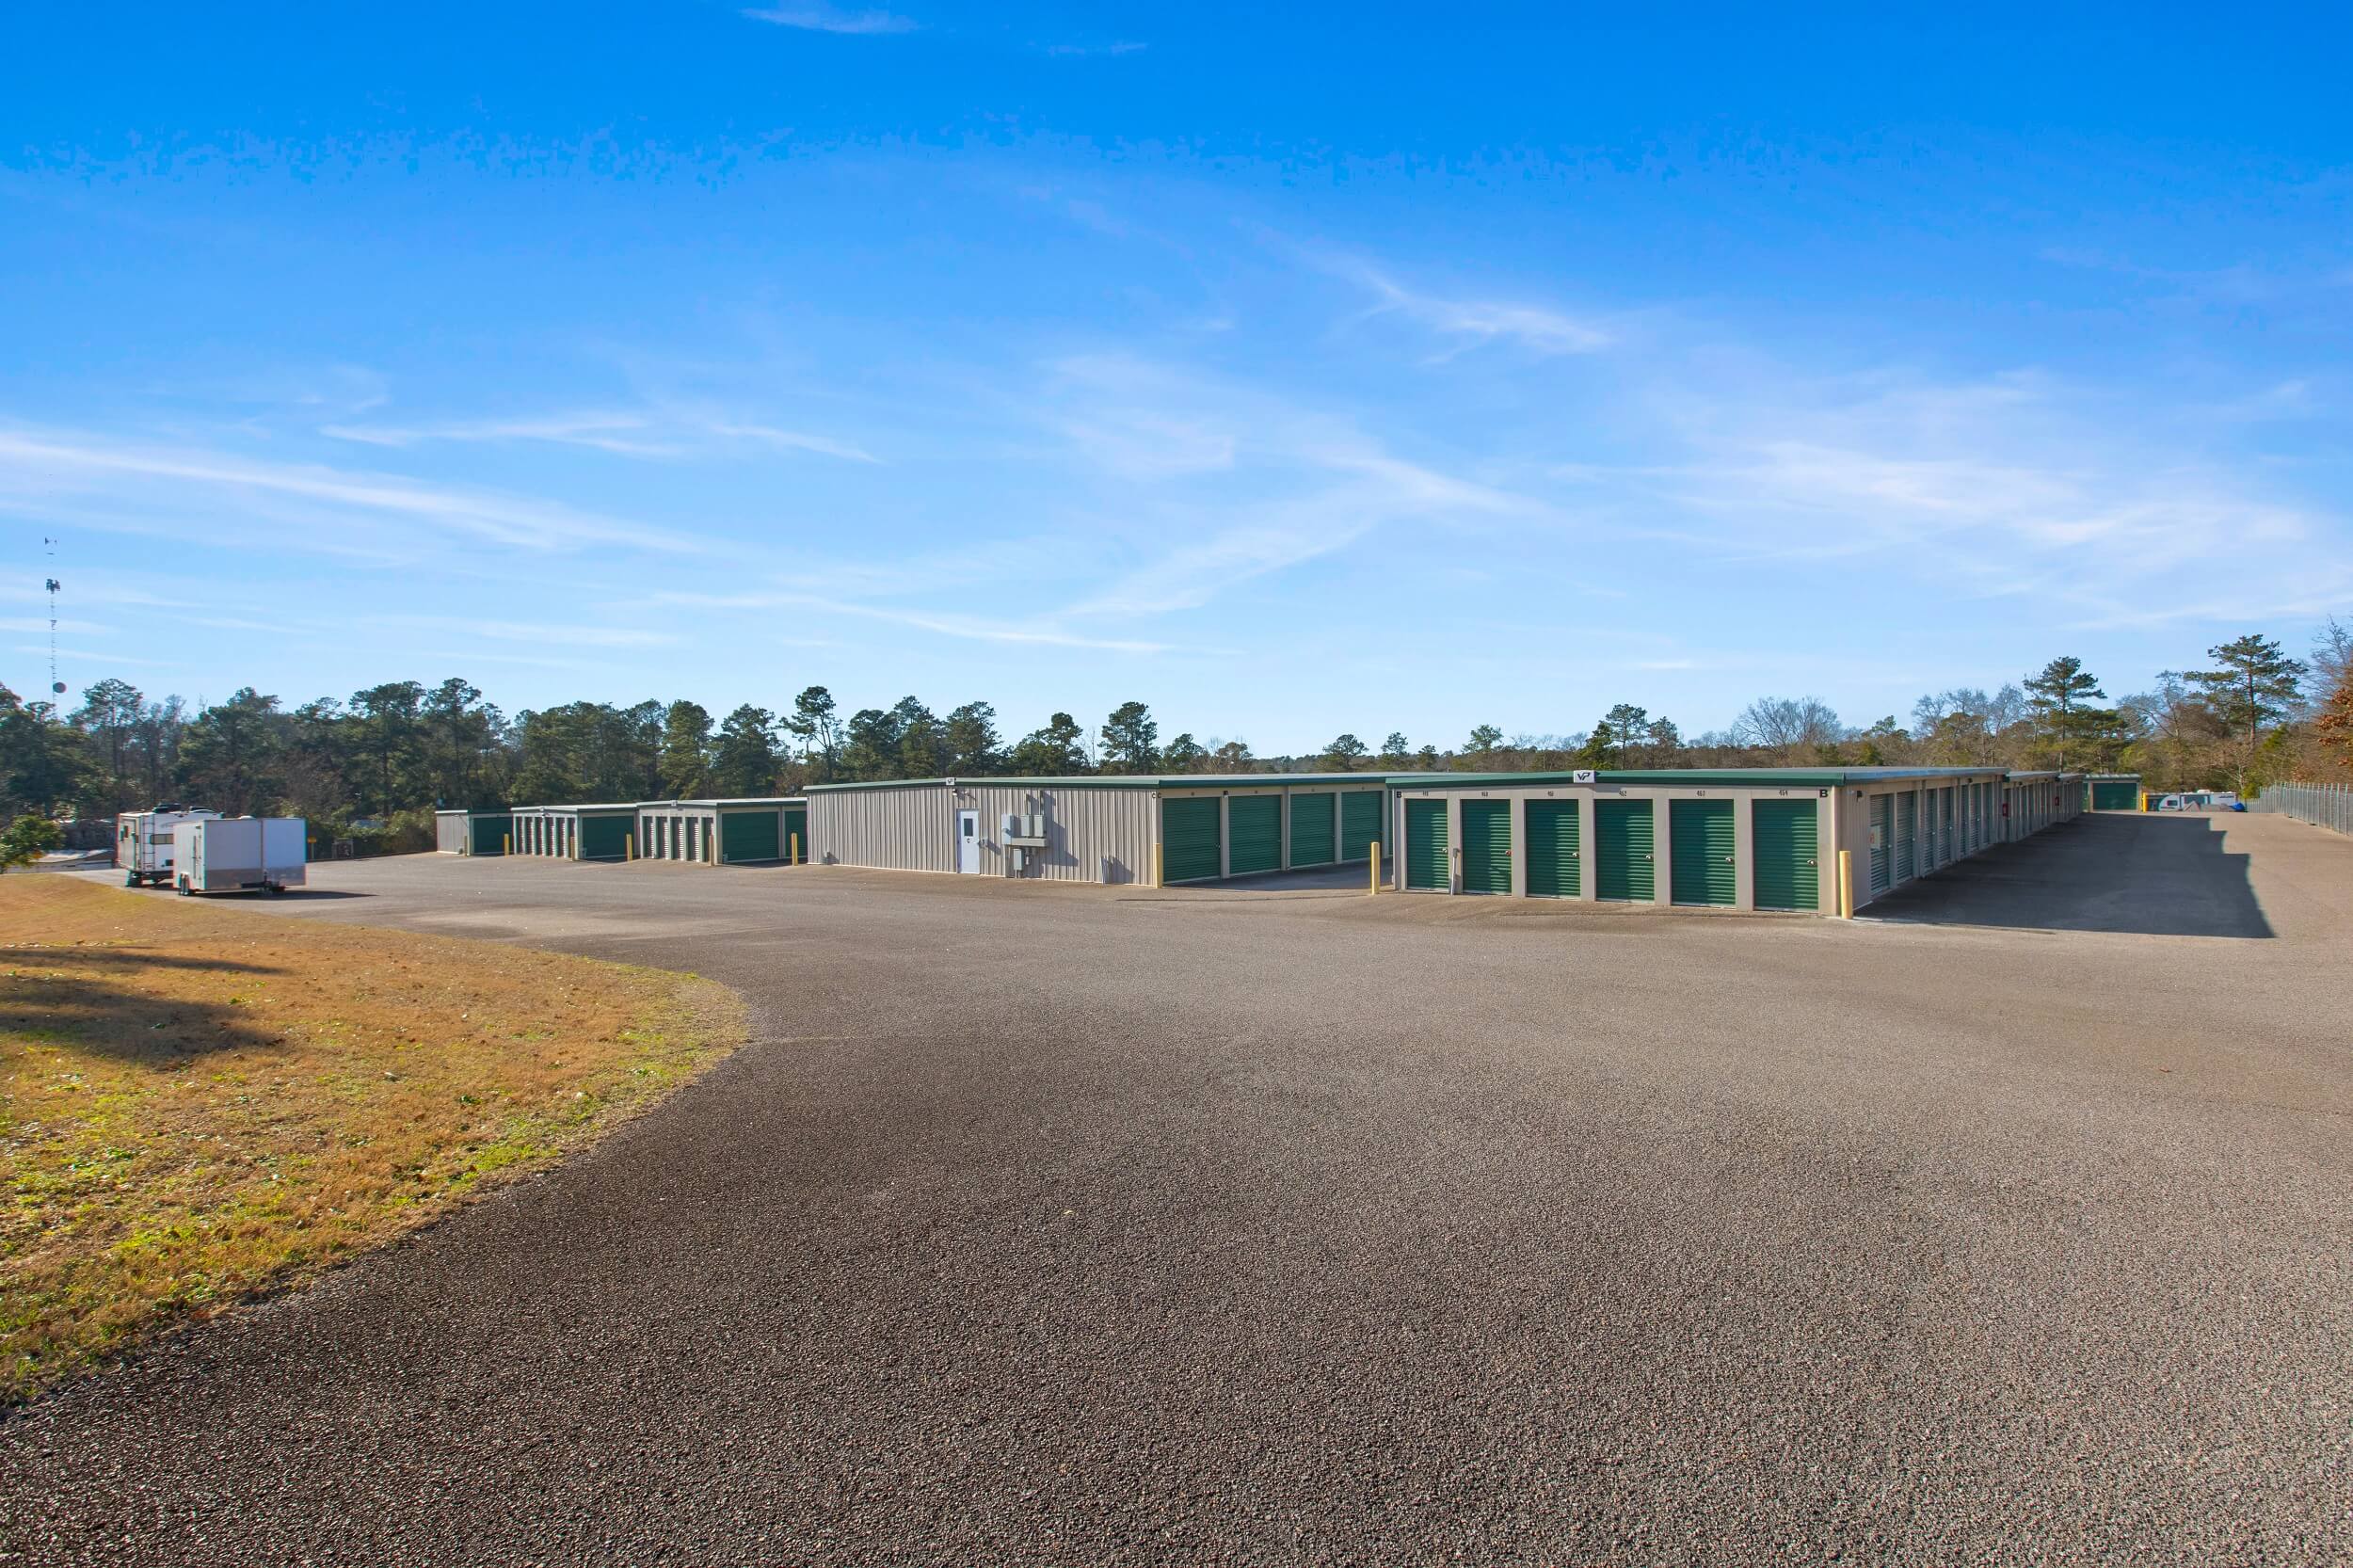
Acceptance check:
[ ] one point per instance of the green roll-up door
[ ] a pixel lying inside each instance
(1255, 825)
(488, 834)
(1622, 850)
(1706, 871)
(750, 836)
(1907, 836)
(795, 833)
(1311, 827)
(1360, 824)
(1426, 846)
(1883, 843)
(1952, 824)
(1553, 863)
(1189, 839)
(2114, 795)
(603, 837)
(1486, 846)
(1787, 853)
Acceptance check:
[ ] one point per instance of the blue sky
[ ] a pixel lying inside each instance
(1370, 369)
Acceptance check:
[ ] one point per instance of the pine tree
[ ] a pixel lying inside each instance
(970, 738)
(816, 725)
(1131, 741)
(1346, 754)
(685, 751)
(744, 762)
(1052, 752)
(2253, 685)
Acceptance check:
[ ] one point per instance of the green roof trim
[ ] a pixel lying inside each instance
(1820, 778)
(1125, 781)
(1750, 777)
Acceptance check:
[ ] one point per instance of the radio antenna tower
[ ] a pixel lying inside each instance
(56, 687)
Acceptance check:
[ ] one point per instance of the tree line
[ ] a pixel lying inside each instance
(380, 762)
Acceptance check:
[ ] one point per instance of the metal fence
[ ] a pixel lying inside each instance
(2329, 806)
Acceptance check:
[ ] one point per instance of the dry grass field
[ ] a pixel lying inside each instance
(198, 1102)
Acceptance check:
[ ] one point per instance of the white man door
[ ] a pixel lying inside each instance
(968, 842)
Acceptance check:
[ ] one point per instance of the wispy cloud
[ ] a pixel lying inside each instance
(101, 590)
(796, 440)
(669, 434)
(1470, 322)
(826, 19)
(88, 656)
(1251, 484)
(1038, 633)
(27, 623)
(2018, 485)
(1118, 46)
(531, 632)
(331, 506)
(232, 623)
(616, 433)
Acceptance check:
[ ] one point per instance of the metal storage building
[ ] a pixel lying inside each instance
(473, 832)
(724, 832)
(592, 832)
(1722, 838)
(1146, 830)
(2112, 792)
(2037, 800)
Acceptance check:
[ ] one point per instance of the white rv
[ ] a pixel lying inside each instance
(220, 854)
(143, 842)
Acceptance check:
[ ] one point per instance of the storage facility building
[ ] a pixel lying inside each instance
(2037, 800)
(1725, 838)
(473, 832)
(594, 832)
(1143, 830)
(2112, 792)
(724, 832)
(1746, 839)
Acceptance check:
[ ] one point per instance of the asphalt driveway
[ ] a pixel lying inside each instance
(1096, 1226)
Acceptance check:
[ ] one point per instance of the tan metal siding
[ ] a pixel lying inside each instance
(914, 829)
(902, 830)
(1083, 827)
(449, 832)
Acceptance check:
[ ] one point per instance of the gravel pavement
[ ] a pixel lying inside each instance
(1087, 1226)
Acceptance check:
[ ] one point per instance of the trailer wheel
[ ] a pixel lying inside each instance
(132, 880)
(186, 891)
(273, 889)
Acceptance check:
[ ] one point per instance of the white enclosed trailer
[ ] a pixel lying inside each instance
(144, 843)
(220, 854)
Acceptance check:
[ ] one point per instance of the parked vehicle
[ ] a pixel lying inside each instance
(220, 854)
(144, 843)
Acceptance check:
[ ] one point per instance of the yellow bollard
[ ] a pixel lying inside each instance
(629, 846)
(1374, 891)
(792, 849)
(507, 844)
(1846, 884)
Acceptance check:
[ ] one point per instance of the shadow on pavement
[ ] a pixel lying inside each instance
(1349, 880)
(2143, 875)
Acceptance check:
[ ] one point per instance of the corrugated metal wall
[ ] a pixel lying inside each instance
(902, 830)
(1083, 829)
(915, 830)
(449, 832)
